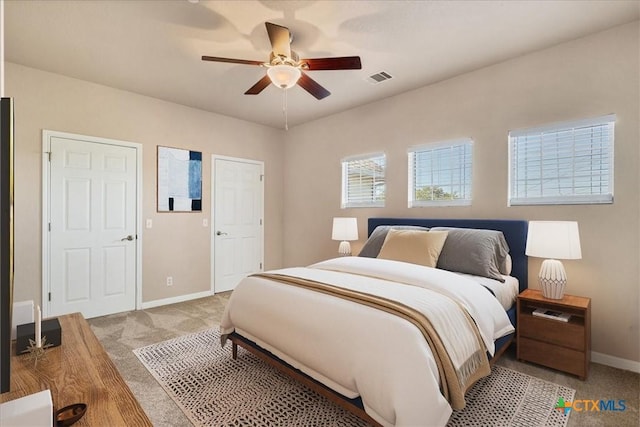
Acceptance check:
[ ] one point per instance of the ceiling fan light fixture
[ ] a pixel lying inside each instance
(284, 76)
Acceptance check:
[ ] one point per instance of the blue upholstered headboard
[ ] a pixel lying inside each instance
(515, 232)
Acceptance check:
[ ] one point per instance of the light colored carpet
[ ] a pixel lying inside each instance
(212, 389)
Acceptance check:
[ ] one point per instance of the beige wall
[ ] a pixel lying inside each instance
(593, 76)
(177, 245)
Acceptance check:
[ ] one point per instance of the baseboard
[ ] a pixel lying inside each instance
(616, 362)
(22, 313)
(173, 300)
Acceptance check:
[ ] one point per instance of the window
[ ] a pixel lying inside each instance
(566, 163)
(363, 183)
(440, 173)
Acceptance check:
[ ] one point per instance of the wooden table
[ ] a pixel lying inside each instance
(78, 371)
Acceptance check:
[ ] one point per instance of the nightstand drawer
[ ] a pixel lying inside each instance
(564, 359)
(566, 334)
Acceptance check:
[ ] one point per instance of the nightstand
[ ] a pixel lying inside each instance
(565, 346)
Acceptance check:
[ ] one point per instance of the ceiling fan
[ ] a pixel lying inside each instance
(285, 69)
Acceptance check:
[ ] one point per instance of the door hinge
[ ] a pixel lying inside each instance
(49, 226)
(260, 266)
(49, 296)
(49, 155)
(261, 178)
(260, 221)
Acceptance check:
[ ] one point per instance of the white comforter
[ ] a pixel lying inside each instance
(358, 350)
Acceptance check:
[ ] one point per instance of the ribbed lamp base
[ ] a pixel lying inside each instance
(345, 248)
(552, 278)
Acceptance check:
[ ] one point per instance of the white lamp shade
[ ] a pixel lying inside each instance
(553, 239)
(345, 229)
(284, 76)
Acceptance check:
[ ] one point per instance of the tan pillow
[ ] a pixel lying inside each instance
(416, 247)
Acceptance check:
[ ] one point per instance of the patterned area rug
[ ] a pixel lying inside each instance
(212, 389)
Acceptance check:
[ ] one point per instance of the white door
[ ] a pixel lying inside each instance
(92, 237)
(237, 231)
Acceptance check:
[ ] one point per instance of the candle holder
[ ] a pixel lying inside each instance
(37, 353)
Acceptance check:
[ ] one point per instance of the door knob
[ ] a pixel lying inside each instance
(129, 238)
(220, 233)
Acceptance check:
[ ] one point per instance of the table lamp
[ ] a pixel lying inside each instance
(345, 229)
(554, 240)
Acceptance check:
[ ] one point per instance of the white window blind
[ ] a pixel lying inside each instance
(440, 173)
(363, 181)
(565, 163)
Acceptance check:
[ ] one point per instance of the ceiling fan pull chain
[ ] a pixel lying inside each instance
(284, 109)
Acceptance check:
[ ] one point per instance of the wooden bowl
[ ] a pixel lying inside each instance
(70, 414)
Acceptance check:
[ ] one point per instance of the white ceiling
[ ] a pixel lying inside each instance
(154, 48)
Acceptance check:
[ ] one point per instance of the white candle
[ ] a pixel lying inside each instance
(38, 327)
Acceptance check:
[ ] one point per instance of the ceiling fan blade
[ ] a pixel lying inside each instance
(280, 39)
(231, 60)
(338, 63)
(313, 87)
(259, 87)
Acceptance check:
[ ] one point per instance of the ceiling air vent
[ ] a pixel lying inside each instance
(379, 77)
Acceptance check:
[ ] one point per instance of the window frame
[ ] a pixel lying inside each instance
(411, 154)
(557, 128)
(373, 203)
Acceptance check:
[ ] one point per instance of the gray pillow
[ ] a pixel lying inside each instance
(473, 251)
(374, 243)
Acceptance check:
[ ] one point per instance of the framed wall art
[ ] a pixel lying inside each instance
(179, 180)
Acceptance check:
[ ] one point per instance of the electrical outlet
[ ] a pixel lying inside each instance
(149, 223)
(205, 222)
(169, 281)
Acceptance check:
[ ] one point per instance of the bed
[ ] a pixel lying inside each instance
(373, 333)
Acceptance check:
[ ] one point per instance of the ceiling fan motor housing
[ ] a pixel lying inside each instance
(283, 60)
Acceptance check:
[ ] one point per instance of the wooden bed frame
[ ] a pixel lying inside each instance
(515, 232)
